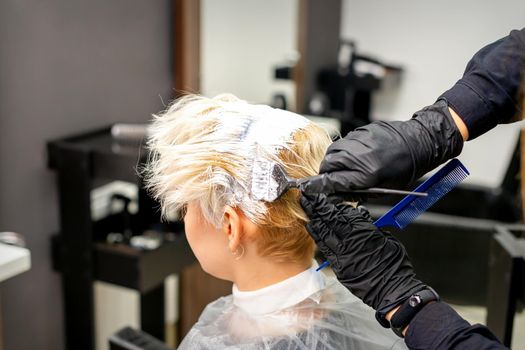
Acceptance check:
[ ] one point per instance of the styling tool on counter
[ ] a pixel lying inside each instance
(12, 238)
(129, 132)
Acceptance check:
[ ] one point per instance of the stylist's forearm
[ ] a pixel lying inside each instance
(460, 124)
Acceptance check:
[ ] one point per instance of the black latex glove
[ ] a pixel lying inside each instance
(370, 262)
(388, 154)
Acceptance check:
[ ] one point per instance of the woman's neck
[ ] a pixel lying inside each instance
(263, 272)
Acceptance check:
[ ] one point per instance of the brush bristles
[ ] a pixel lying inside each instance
(269, 180)
(260, 179)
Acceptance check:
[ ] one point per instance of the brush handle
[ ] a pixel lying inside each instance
(438, 185)
(293, 183)
(354, 194)
(379, 190)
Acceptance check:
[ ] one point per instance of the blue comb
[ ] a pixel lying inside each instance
(436, 186)
(410, 207)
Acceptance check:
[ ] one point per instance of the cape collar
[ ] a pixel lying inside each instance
(281, 295)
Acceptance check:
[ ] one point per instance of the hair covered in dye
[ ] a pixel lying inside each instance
(203, 149)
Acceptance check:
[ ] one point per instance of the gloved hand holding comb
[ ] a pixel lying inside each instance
(370, 262)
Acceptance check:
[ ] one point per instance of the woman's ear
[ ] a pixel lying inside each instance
(233, 227)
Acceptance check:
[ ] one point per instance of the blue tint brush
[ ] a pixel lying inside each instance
(410, 207)
(270, 182)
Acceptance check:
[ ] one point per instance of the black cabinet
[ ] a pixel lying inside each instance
(80, 251)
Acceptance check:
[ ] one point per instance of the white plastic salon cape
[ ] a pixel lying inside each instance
(306, 311)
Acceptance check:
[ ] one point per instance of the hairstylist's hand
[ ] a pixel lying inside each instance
(389, 154)
(371, 263)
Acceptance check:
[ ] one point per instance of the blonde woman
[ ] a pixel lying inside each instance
(203, 151)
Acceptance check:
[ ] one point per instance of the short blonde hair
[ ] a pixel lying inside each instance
(203, 149)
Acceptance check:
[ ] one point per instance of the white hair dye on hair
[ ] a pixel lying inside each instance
(228, 135)
(267, 127)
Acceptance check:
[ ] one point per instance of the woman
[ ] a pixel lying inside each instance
(203, 156)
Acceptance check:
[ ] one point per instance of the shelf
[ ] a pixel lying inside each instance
(140, 269)
(109, 158)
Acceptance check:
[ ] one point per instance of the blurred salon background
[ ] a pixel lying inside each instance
(91, 255)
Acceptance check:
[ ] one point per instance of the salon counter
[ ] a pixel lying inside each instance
(13, 261)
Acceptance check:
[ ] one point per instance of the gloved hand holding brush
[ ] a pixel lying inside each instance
(388, 154)
(392, 154)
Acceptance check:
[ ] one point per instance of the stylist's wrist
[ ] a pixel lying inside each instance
(391, 313)
(459, 123)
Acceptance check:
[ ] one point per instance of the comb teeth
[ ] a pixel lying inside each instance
(435, 193)
(436, 187)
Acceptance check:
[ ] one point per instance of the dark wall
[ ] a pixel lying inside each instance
(65, 66)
